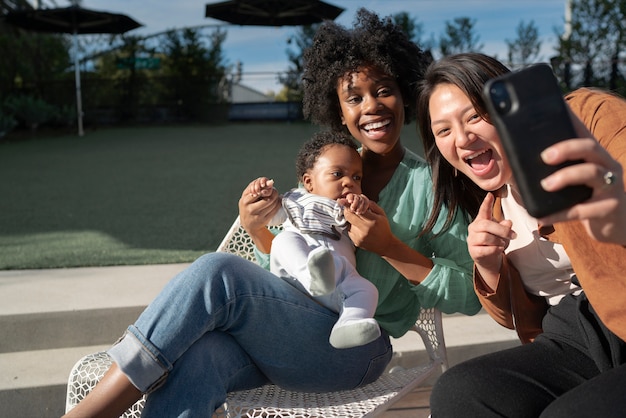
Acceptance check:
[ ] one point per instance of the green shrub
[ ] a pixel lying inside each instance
(31, 111)
(64, 116)
(7, 123)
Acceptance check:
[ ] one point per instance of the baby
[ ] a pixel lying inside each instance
(314, 252)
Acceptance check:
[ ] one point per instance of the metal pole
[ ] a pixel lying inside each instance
(568, 20)
(79, 101)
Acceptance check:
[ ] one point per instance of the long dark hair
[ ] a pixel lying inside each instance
(469, 72)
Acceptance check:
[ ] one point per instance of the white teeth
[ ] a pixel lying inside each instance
(376, 125)
(471, 157)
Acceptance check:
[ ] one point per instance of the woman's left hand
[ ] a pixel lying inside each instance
(604, 214)
(370, 230)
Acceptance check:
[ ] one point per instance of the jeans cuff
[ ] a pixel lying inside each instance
(141, 367)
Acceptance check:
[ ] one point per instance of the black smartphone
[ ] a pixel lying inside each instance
(529, 112)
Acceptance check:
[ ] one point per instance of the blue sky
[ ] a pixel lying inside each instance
(261, 50)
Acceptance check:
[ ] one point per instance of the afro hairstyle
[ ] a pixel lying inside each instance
(337, 51)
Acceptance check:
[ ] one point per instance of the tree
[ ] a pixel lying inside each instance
(525, 48)
(195, 69)
(590, 52)
(459, 37)
(410, 26)
(121, 67)
(29, 59)
(188, 56)
(413, 29)
(292, 78)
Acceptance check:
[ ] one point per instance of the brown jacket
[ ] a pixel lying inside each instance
(600, 267)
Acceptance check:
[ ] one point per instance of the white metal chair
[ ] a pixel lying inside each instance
(272, 401)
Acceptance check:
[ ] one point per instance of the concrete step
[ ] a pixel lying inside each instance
(59, 290)
(52, 318)
(51, 330)
(49, 319)
(42, 309)
(34, 383)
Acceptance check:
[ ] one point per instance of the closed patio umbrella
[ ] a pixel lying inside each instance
(72, 20)
(272, 12)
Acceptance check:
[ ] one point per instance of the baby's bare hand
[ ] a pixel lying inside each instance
(261, 187)
(357, 203)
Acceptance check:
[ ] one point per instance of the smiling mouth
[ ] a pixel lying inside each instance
(479, 160)
(374, 126)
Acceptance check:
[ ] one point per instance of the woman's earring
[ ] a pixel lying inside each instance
(456, 172)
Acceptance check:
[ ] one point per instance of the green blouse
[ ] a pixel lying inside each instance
(407, 200)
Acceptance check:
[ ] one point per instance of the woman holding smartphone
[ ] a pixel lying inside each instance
(559, 281)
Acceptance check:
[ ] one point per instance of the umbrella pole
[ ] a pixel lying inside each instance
(79, 101)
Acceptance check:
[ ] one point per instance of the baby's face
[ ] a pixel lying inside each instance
(336, 173)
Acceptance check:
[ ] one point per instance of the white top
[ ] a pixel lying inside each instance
(544, 266)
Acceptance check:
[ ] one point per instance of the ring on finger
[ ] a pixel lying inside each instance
(609, 178)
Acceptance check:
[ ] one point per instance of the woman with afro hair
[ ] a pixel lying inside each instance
(227, 324)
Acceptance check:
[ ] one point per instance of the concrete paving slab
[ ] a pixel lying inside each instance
(55, 290)
(28, 369)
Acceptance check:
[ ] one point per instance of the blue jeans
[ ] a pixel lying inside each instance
(226, 324)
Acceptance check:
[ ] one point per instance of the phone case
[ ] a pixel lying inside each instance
(529, 113)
